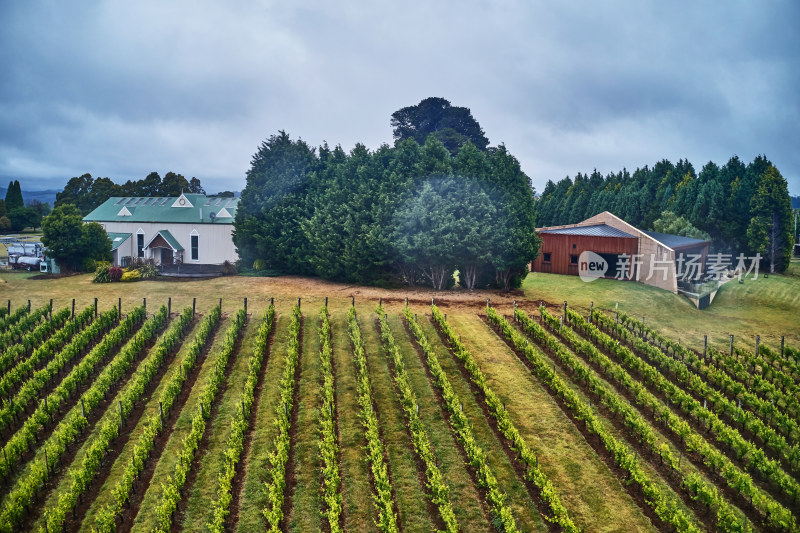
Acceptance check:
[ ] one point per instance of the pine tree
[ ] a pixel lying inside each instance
(14, 196)
(770, 229)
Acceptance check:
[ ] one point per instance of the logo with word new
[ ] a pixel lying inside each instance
(591, 266)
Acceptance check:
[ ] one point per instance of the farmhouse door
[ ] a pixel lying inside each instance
(166, 256)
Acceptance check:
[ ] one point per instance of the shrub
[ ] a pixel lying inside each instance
(259, 264)
(115, 273)
(148, 270)
(89, 265)
(132, 275)
(101, 273)
(229, 269)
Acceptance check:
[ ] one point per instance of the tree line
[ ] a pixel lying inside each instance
(410, 213)
(87, 193)
(742, 208)
(16, 215)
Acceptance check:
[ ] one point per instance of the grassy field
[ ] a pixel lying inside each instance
(587, 479)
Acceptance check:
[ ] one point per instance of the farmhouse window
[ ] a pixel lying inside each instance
(140, 244)
(573, 259)
(195, 247)
(547, 257)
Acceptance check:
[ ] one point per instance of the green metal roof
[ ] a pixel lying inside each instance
(117, 239)
(196, 209)
(172, 241)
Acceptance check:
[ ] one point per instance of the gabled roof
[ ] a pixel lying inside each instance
(196, 209)
(117, 239)
(674, 241)
(595, 230)
(167, 236)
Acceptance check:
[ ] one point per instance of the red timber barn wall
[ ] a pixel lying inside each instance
(561, 246)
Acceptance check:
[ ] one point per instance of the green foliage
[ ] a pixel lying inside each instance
(239, 425)
(5, 224)
(439, 491)
(671, 223)
(716, 202)
(24, 217)
(272, 206)
(71, 241)
(770, 230)
(661, 504)
(153, 425)
(87, 193)
(381, 484)
(171, 490)
(275, 486)
(101, 274)
(408, 213)
(13, 198)
(452, 126)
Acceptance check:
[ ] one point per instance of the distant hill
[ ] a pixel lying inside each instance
(46, 196)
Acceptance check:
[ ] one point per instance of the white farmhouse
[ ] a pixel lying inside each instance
(192, 229)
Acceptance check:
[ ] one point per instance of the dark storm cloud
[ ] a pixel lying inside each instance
(120, 89)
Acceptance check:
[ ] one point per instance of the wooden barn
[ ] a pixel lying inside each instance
(645, 256)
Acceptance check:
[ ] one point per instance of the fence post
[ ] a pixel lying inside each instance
(144, 304)
(758, 341)
(326, 301)
(245, 305)
(565, 308)
(169, 306)
(95, 306)
(782, 338)
(298, 303)
(352, 301)
(29, 306)
(73, 306)
(380, 302)
(194, 305)
(705, 346)
(220, 305)
(272, 301)
(119, 307)
(731, 346)
(51, 313)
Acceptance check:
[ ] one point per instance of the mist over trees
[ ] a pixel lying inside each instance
(744, 208)
(409, 213)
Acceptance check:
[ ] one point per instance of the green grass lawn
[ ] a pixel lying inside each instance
(768, 306)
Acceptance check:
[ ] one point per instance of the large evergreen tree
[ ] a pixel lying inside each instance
(406, 213)
(268, 223)
(14, 196)
(450, 125)
(770, 229)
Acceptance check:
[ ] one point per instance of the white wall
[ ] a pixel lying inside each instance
(215, 240)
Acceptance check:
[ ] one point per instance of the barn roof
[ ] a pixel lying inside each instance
(597, 230)
(186, 208)
(674, 241)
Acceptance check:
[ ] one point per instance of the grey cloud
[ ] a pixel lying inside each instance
(120, 89)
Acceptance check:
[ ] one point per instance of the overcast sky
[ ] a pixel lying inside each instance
(120, 89)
